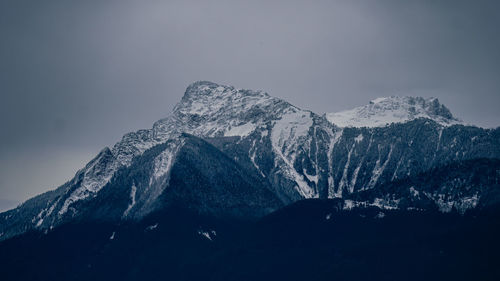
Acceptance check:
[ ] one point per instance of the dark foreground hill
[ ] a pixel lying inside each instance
(308, 240)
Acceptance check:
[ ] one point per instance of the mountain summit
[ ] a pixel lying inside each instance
(386, 110)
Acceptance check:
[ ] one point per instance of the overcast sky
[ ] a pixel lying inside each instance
(76, 75)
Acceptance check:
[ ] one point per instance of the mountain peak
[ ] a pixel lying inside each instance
(202, 87)
(207, 92)
(395, 109)
(203, 92)
(208, 100)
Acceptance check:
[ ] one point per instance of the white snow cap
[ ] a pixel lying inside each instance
(386, 110)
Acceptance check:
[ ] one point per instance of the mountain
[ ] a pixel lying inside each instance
(234, 153)
(387, 110)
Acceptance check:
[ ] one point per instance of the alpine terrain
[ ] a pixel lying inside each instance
(238, 185)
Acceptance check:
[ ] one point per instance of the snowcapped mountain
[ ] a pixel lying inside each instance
(386, 110)
(232, 152)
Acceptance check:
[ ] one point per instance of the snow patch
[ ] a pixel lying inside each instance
(210, 235)
(133, 191)
(241, 130)
(414, 192)
(343, 181)
(359, 138)
(378, 169)
(152, 227)
(286, 135)
(252, 158)
(163, 162)
(311, 178)
(264, 133)
(334, 138)
(447, 203)
(384, 204)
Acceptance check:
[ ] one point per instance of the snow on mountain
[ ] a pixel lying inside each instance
(286, 137)
(386, 110)
(206, 110)
(211, 110)
(293, 153)
(96, 174)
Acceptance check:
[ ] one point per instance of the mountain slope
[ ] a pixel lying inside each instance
(459, 186)
(186, 171)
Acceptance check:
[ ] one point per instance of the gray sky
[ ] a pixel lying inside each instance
(76, 75)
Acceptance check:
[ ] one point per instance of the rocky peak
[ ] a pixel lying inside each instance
(209, 109)
(386, 110)
(207, 99)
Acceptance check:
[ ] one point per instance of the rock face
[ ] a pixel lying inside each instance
(230, 152)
